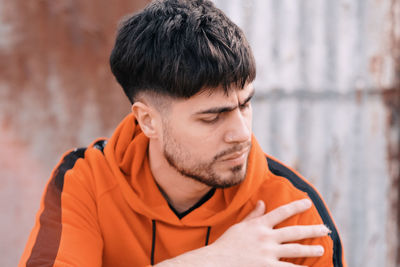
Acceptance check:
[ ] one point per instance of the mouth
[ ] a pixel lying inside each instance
(236, 157)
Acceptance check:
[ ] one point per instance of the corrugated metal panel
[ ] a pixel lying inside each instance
(322, 68)
(56, 93)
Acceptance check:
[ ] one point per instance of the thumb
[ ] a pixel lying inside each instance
(258, 211)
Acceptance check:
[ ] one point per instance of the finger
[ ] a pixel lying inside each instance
(287, 264)
(258, 211)
(299, 251)
(280, 214)
(299, 232)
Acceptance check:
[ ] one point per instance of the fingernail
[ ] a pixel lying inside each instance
(326, 229)
(307, 202)
(320, 250)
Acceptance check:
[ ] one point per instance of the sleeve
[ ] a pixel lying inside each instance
(66, 231)
(318, 214)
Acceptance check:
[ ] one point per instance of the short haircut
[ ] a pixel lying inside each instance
(179, 48)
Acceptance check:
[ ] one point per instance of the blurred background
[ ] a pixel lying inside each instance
(327, 103)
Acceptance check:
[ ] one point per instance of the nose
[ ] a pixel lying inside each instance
(239, 128)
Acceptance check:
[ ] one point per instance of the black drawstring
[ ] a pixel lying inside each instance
(208, 234)
(153, 242)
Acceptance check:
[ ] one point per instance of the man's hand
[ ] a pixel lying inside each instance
(255, 242)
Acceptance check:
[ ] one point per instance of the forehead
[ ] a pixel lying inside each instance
(214, 98)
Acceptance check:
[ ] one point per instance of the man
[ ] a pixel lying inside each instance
(182, 181)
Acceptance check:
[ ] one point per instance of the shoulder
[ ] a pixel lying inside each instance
(285, 185)
(288, 185)
(295, 182)
(84, 166)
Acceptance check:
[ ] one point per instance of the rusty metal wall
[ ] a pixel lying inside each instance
(328, 103)
(56, 93)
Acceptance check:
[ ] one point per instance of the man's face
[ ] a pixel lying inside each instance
(208, 136)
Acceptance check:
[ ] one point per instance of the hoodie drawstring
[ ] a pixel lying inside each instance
(208, 235)
(153, 240)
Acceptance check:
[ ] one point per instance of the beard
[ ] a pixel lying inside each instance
(205, 172)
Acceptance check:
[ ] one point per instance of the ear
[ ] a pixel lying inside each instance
(146, 117)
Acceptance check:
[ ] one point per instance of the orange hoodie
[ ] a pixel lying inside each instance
(102, 207)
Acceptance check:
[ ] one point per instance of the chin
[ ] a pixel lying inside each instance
(236, 176)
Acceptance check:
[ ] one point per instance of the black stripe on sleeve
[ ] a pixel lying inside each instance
(280, 170)
(47, 242)
(100, 145)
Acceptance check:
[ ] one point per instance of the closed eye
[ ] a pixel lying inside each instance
(210, 120)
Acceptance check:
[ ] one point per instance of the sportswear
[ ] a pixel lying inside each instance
(102, 207)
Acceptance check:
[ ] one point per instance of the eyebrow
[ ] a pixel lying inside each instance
(218, 110)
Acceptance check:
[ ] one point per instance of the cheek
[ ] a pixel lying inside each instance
(199, 142)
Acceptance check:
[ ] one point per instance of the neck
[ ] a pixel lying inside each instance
(180, 191)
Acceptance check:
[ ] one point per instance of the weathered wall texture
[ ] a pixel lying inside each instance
(56, 93)
(328, 103)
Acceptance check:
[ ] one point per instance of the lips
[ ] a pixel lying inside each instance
(235, 155)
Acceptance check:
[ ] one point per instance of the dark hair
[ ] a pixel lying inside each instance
(180, 47)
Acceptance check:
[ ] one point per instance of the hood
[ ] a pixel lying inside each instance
(127, 154)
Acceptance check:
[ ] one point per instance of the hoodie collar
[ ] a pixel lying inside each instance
(127, 154)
